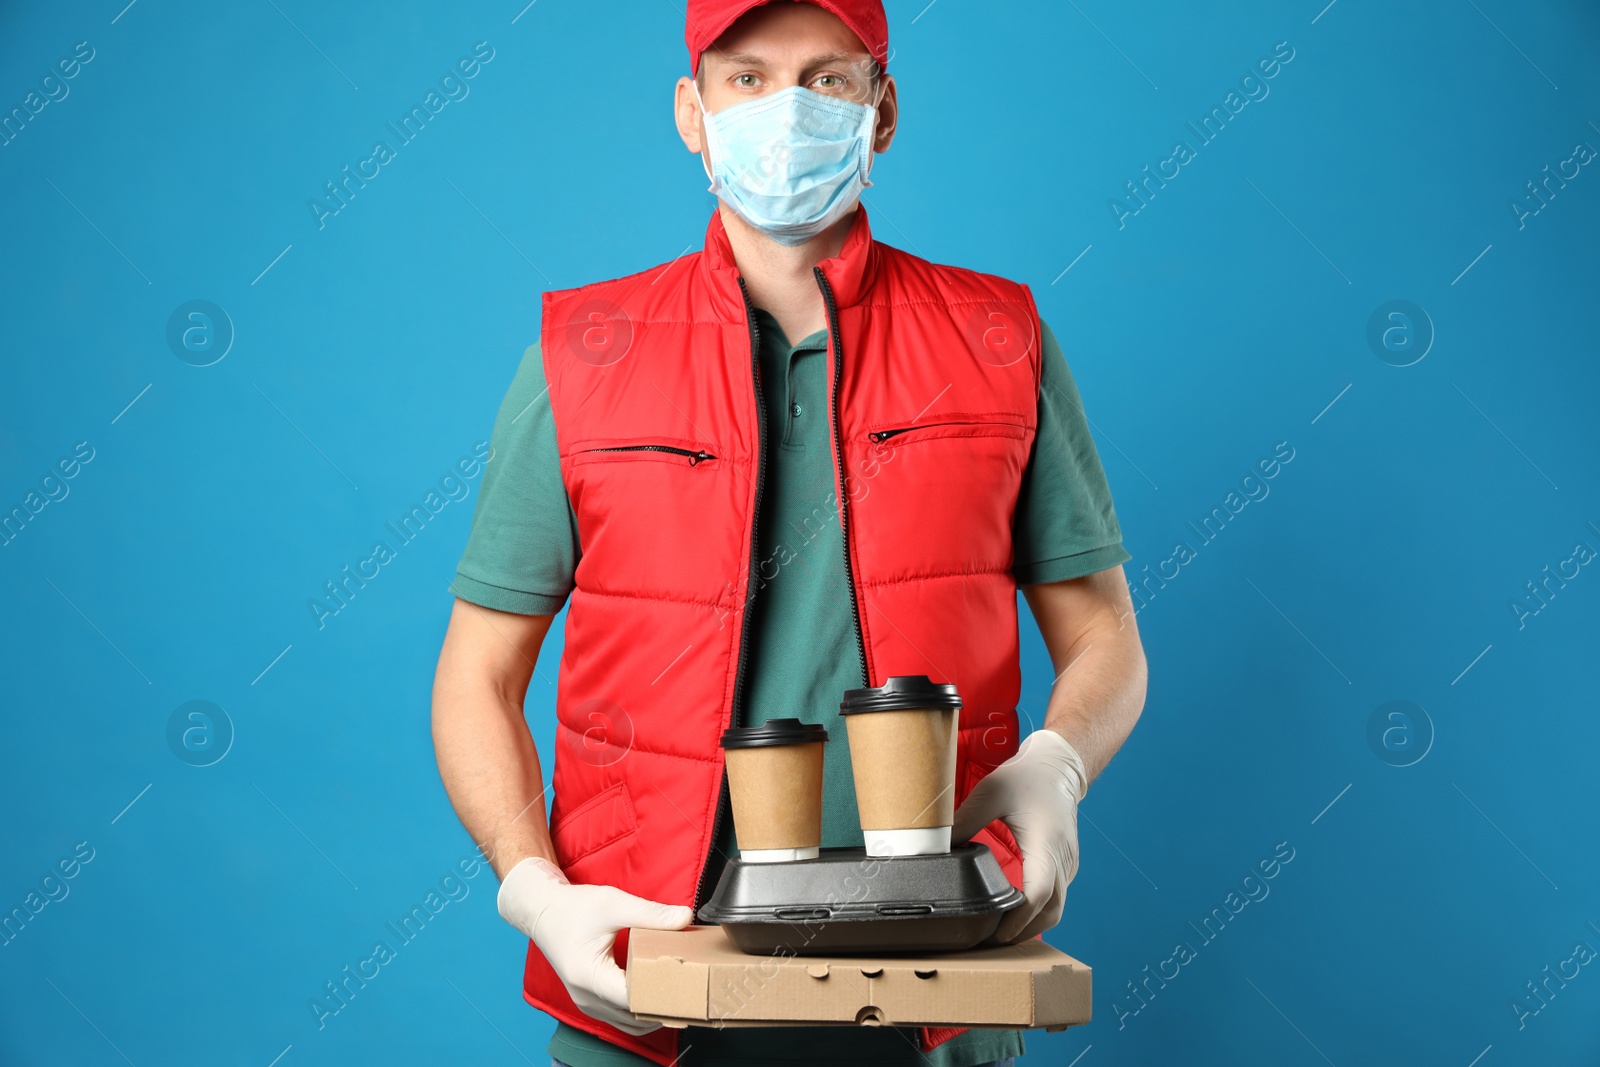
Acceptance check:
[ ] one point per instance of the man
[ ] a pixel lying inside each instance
(797, 462)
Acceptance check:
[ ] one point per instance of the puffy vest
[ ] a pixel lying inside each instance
(654, 385)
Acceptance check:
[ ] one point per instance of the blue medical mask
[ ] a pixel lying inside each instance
(793, 162)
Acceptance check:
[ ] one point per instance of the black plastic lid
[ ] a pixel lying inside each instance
(845, 884)
(774, 732)
(900, 692)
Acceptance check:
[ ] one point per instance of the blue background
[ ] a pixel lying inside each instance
(1226, 316)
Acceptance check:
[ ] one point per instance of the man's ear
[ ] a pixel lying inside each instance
(888, 116)
(686, 112)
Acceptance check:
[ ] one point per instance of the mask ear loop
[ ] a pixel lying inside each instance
(705, 127)
(866, 171)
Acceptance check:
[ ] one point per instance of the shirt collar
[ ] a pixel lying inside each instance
(770, 327)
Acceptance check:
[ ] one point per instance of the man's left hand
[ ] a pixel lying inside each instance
(1036, 793)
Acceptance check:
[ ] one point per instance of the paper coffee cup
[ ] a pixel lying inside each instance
(903, 756)
(775, 785)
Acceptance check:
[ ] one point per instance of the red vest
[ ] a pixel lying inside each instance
(654, 386)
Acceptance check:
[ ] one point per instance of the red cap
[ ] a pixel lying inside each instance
(708, 19)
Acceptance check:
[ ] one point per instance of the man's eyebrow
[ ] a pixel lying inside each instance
(750, 59)
(835, 57)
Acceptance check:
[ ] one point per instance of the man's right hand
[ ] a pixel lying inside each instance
(575, 927)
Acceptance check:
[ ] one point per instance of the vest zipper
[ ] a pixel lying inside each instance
(838, 437)
(881, 436)
(694, 457)
(737, 713)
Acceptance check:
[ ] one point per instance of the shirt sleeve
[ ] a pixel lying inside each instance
(523, 548)
(1065, 525)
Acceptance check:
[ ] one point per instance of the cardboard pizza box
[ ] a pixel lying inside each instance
(698, 977)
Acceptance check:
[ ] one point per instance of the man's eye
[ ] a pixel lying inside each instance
(829, 81)
(747, 81)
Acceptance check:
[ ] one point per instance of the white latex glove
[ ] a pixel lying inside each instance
(1036, 793)
(575, 926)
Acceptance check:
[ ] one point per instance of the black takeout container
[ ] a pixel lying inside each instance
(845, 902)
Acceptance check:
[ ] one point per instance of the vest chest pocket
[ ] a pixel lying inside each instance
(647, 513)
(888, 438)
(694, 456)
(939, 494)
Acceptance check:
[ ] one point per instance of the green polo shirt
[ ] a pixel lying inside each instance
(524, 546)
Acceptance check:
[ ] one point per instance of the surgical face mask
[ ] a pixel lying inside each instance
(793, 162)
